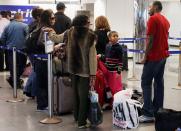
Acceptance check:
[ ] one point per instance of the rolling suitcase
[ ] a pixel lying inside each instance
(63, 95)
(125, 58)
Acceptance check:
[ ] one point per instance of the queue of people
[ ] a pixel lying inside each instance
(84, 48)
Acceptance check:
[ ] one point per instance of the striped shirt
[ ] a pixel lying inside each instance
(113, 57)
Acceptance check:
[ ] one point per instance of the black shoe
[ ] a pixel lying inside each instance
(10, 82)
(45, 109)
(6, 69)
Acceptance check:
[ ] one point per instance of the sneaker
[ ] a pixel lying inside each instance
(85, 126)
(146, 119)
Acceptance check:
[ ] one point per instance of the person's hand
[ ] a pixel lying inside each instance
(143, 61)
(99, 55)
(56, 47)
(92, 81)
(47, 29)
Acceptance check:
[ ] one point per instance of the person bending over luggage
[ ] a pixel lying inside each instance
(82, 63)
(113, 61)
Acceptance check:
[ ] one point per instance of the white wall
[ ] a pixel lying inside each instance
(13, 2)
(120, 14)
(172, 10)
(99, 8)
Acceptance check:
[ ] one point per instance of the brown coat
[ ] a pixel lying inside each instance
(80, 52)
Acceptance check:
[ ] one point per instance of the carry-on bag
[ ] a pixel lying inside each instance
(125, 58)
(167, 120)
(63, 95)
(95, 115)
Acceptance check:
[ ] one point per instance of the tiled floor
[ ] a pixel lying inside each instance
(22, 116)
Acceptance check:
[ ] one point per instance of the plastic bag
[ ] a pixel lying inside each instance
(123, 95)
(125, 113)
(95, 115)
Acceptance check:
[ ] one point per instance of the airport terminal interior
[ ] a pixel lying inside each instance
(129, 19)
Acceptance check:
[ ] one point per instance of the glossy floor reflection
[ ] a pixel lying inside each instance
(23, 117)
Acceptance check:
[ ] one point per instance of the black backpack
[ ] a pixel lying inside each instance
(167, 120)
(31, 42)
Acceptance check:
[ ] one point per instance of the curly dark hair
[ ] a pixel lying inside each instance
(36, 12)
(3, 14)
(45, 17)
(80, 21)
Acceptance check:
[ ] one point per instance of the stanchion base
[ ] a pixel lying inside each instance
(133, 79)
(15, 100)
(53, 120)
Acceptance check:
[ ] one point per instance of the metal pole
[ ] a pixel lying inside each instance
(179, 68)
(134, 60)
(133, 78)
(14, 74)
(15, 98)
(50, 85)
(50, 119)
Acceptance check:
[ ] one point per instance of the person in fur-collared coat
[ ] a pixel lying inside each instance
(82, 63)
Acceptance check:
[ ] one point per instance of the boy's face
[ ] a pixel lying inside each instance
(113, 38)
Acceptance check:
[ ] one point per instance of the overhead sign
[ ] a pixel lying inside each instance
(25, 10)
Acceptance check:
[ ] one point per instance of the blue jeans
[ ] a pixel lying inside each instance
(30, 86)
(153, 70)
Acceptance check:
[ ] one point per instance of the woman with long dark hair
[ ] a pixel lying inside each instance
(82, 63)
(47, 19)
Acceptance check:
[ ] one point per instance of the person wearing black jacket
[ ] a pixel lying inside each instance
(62, 22)
(36, 13)
(47, 19)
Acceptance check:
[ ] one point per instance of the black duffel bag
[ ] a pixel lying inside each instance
(167, 120)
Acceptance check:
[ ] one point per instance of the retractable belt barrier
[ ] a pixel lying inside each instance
(132, 40)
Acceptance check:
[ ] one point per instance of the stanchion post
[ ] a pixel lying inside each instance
(48, 49)
(50, 78)
(179, 72)
(14, 74)
(15, 98)
(133, 78)
(179, 68)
